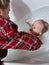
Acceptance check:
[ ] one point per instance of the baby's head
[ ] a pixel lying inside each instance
(39, 27)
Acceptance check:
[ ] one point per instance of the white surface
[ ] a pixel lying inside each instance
(23, 7)
(38, 9)
(23, 64)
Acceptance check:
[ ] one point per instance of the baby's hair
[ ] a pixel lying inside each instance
(4, 4)
(46, 25)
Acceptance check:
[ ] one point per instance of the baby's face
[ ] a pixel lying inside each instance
(37, 27)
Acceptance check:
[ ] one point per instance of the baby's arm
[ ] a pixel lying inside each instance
(28, 22)
(30, 25)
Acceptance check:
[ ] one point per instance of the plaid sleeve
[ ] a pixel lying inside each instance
(24, 41)
(19, 40)
(29, 42)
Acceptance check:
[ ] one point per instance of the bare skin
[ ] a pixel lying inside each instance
(36, 28)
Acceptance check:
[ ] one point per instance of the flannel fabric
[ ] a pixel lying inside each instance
(11, 38)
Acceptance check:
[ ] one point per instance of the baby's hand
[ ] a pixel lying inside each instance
(28, 22)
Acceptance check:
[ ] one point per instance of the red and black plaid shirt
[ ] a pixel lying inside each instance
(11, 38)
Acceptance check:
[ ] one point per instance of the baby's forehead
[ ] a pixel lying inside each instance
(38, 22)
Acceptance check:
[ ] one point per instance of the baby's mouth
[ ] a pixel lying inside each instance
(34, 33)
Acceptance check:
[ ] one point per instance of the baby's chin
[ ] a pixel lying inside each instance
(37, 34)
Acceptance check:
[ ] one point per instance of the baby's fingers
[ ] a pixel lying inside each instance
(28, 22)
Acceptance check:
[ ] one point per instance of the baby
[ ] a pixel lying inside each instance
(38, 28)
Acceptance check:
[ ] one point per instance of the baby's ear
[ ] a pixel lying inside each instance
(40, 33)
